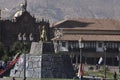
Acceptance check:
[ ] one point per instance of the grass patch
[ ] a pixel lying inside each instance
(100, 73)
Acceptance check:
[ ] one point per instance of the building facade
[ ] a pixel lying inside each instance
(93, 38)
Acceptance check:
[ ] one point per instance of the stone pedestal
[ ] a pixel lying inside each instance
(36, 48)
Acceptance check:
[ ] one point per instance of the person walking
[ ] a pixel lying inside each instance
(13, 78)
(115, 76)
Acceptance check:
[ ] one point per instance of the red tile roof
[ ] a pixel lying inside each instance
(89, 24)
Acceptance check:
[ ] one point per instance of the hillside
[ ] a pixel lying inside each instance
(56, 10)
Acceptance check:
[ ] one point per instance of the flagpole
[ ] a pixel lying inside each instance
(24, 42)
(105, 62)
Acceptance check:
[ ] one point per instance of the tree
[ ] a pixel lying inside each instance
(3, 51)
(18, 47)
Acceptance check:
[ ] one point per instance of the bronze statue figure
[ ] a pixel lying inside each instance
(43, 36)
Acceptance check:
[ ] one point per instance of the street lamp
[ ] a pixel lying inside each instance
(119, 58)
(80, 46)
(105, 61)
(23, 39)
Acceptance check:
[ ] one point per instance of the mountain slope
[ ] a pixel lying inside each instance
(56, 10)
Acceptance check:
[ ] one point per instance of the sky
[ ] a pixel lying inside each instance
(56, 10)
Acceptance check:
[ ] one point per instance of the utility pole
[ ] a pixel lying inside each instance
(105, 61)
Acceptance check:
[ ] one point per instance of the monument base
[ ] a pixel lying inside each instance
(42, 62)
(44, 66)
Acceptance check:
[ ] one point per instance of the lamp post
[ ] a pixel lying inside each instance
(119, 58)
(23, 39)
(105, 61)
(80, 46)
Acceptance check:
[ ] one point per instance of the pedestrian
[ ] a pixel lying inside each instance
(96, 66)
(93, 77)
(115, 76)
(13, 78)
(4, 65)
(81, 77)
(0, 65)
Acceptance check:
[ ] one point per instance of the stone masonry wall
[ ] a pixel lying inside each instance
(33, 67)
(57, 66)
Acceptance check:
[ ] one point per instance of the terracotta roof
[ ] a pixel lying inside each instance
(89, 23)
(89, 37)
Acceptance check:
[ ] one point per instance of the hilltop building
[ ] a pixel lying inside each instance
(93, 38)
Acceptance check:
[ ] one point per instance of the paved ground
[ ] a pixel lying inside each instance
(9, 78)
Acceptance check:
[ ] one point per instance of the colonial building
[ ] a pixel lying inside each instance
(90, 38)
(22, 25)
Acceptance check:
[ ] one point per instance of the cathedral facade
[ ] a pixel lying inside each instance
(22, 26)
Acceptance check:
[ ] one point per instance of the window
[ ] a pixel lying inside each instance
(63, 44)
(94, 44)
(100, 44)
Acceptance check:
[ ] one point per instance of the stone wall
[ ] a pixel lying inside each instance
(57, 66)
(33, 67)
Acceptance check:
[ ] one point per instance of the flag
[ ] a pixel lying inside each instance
(100, 60)
(80, 70)
(19, 37)
(117, 58)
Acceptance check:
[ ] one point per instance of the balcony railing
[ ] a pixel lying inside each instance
(115, 50)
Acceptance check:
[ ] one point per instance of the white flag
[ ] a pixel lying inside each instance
(100, 60)
(19, 37)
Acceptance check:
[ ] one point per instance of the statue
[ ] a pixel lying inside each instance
(24, 6)
(31, 37)
(43, 36)
(0, 14)
(24, 37)
(19, 37)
